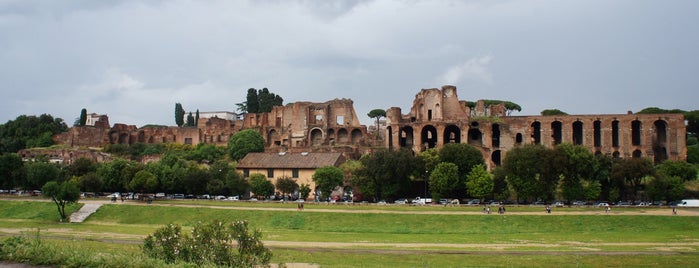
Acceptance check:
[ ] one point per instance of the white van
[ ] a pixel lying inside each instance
(689, 203)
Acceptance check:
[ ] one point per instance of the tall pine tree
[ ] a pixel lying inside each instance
(179, 114)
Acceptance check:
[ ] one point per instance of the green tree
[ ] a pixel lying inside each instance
(377, 114)
(144, 181)
(443, 179)
(286, 185)
(179, 114)
(549, 112)
(681, 169)
(693, 154)
(253, 101)
(667, 188)
(577, 167)
(61, 194)
(29, 131)
(11, 171)
(196, 179)
(430, 158)
(190, 120)
(304, 191)
(91, 182)
(39, 173)
(82, 120)
(261, 186)
(524, 169)
(465, 157)
(326, 179)
(632, 171)
(196, 119)
(81, 166)
(244, 142)
(386, 174)
(110, 172)
(501, 190)
(479, 183)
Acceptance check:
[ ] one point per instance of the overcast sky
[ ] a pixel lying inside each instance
(133, 60)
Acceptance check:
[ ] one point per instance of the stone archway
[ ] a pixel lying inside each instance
(452, 134)
(429, 137)
(316, 137)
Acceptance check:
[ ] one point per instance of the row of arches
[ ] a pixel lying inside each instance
(605, 136)
(318, 137)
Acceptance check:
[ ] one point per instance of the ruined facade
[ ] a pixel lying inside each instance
(304, 126)
(331, 126)
(438, 117)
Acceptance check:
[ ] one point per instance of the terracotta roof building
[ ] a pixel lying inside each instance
(298, 166)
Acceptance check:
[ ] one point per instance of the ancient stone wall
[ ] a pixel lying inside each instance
(310, 126)
(433, 122)
(64, 156)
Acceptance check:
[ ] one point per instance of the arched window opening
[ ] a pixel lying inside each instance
(615, 133)
(578, 133)
(536, 132)
(429, 137)
(637, 153)
(635, 132)
(496, 158)
(557, 129)
(452, 134)
(495, 139)
(597, 135)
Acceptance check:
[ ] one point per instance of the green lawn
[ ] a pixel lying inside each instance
(389, 238)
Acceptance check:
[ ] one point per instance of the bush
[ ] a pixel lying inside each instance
(213, 243)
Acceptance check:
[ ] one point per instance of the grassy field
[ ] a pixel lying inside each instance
(390, 236)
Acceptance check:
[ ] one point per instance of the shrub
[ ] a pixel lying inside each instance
(213, 243)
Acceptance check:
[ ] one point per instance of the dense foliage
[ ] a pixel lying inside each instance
(244, 142)
(179, 114)
(260, 101)
(29, 131)
(549, 112)
(218, 243)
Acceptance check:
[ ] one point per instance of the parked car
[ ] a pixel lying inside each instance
(474, 202)
(558, 204)
(578, 203)
(443, 201)
(401, 201)
(623, 203)
(178, 196)
(602, 204)
(233, 198)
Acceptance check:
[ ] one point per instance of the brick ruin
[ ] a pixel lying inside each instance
(438, 117)
(296, 127)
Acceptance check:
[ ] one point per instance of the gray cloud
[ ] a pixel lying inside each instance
(133, 60)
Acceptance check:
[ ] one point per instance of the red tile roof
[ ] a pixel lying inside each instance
(291, 160)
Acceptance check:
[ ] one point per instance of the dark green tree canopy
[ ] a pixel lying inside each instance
(190, 120)
(681, 169)
(261, 186)
(327, 178)
(509, 106)
(61, 194)
(82, 120)
(29, 131)
(549, 112)
(244, 142)
(179, 114)
(260, 101)
(386, 174)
